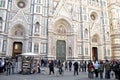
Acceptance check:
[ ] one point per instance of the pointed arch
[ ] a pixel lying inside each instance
(63, 26)
(17, 30)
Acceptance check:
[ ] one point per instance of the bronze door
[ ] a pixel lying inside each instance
(94, 53)
(61, 50)
(17, 48)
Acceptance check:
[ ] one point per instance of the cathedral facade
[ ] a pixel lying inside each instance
(60, 29)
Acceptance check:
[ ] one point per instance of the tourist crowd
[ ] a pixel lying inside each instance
(95, 69)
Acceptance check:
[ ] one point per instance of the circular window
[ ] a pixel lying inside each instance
(21, 4)
(93, 15)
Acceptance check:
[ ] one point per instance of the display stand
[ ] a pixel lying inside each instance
(26, 65)
(29, 63)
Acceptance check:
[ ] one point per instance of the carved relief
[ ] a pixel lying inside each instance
(61, 30)
(18, 33)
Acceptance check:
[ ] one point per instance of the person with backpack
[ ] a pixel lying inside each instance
(107, 69)
(90, 70)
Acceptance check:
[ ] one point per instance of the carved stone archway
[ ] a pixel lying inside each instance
(95, 47)
(17, 34)
(62, 38)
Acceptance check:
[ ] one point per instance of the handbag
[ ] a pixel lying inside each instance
(92, 70)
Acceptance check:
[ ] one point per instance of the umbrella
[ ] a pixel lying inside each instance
(30, 54)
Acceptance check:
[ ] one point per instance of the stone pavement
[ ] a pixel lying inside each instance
(45, 76)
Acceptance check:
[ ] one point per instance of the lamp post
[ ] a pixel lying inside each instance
(32, 23)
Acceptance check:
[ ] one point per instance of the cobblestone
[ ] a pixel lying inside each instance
(45, 76)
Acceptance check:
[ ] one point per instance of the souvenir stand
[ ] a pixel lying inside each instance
(29, 63)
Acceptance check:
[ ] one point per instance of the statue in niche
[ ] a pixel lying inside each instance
(0, 23)
(37, 27)
(4, 45)
(60, 28)
(0, 26)
(53, 50)
(94, 40)
(107, 35)
(86, 33)
(118, 25)
(70, 51)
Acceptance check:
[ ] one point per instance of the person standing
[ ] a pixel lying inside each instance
(66, 65)
(118, 70)
(90, 70)
(2, 65)
(101, 69)
(8, 66)
(51, 67)
(38, 68)
(60, 65)
(84, 66)
(76, 66)
(96, 66)
(13, 66)
(70, 65)
(107, 70)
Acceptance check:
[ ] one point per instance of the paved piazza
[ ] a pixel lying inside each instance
(45, 76)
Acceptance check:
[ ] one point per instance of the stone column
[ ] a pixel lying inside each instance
(115, 32)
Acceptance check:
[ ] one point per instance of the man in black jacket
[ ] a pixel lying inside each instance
(118, 70)
(76, 67)
(51, 67)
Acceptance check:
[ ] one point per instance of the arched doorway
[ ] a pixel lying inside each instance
(94, 54)
(17, 48)
(61, 50)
